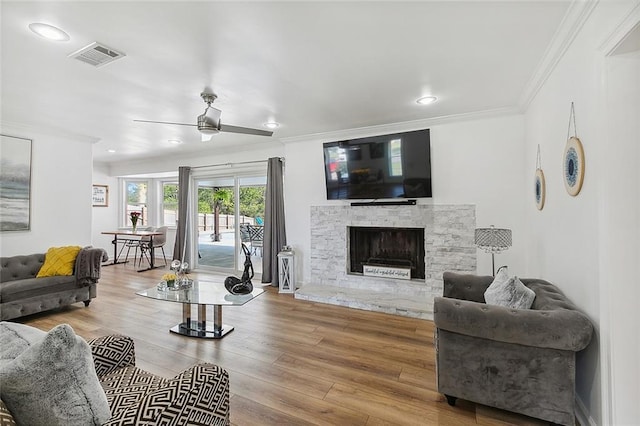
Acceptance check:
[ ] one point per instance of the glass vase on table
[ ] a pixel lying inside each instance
(134, 216)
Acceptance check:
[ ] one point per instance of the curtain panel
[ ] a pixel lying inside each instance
(181, 249)
(274, 224)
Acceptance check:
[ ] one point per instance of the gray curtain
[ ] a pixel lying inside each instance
(183, 241)
(274, 232)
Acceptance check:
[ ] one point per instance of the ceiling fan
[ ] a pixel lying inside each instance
(209, 122)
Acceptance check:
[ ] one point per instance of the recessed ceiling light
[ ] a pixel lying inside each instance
(426, 100)
(49, 32)
(112, 151)
(271, 125)
(175, 141)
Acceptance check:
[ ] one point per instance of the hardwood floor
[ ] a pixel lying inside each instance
(290, 362)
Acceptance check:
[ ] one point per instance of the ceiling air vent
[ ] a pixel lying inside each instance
(97, 54)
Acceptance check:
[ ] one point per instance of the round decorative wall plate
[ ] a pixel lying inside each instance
(541, 189)
(573, 165)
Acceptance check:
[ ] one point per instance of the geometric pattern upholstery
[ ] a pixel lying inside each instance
(126, 386)
(110, 353)
(197, 396)
(6, 419)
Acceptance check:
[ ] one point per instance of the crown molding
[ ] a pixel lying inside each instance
(571, 24)
(618, 36)
(403, 126)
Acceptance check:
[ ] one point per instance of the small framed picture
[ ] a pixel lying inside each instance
(100, 196)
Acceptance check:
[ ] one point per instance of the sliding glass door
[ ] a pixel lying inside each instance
(215, 223)
(251, 228)
(230, 215)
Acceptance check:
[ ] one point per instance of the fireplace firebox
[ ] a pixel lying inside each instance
(390, 247)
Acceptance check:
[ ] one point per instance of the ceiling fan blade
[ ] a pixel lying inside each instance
(166, 122)
(244, 130)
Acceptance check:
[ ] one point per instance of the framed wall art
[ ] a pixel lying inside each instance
(540, 185)
(100, 196)
(573, 159)
(573, 162)
(15, 183)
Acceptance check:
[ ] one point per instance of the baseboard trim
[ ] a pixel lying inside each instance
(583, 415)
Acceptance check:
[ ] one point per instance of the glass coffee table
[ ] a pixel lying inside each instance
(202, 294)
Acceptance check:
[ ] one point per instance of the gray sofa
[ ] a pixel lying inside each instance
(21, 293)
(521, 360)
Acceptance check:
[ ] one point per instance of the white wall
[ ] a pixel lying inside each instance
(60, 194)
(564, 239)
(475, 162)
(256, 152)
(105, 218)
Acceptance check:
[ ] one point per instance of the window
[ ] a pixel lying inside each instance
(169, 203)
(136, 201)
(395, 157)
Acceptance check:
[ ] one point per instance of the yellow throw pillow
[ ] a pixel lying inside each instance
(59, 261)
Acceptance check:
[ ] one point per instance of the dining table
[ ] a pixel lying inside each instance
(129, 234)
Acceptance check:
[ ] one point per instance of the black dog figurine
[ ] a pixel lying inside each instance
(242, 285)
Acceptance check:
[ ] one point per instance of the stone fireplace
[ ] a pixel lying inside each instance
(388, 247)
(447, 245)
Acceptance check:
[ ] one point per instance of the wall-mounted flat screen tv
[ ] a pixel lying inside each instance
(378, 167)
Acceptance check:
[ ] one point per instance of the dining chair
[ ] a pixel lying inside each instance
(256, 235)
(158, 242)
(133, 243)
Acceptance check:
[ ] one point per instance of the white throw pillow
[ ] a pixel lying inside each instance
(509, 292)
(52, 380)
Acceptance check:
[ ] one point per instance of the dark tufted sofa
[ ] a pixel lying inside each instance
(21, 293)
(521, 360)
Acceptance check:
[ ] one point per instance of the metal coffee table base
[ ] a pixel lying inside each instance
(201, 327)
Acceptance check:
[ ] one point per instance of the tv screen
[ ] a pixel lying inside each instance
(388, 166)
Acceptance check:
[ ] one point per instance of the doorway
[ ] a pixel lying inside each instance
(230, 215)
(619, 210)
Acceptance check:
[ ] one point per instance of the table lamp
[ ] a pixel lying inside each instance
(493, 240)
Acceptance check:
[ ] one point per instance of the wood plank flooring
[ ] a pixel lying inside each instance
(290, 362)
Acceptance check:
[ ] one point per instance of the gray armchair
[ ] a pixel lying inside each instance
(520, 360)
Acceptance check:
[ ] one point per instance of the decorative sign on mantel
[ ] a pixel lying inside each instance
(397, 273)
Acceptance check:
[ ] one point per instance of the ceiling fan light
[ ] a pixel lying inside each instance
(206, 125)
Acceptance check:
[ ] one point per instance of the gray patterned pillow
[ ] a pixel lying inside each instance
(509, 292)
(52, 380)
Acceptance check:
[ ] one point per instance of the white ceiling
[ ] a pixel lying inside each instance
(312, 66)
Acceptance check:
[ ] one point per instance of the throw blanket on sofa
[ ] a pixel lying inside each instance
(88, 265)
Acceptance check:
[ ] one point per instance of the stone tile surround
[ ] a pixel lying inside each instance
(449, 246)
